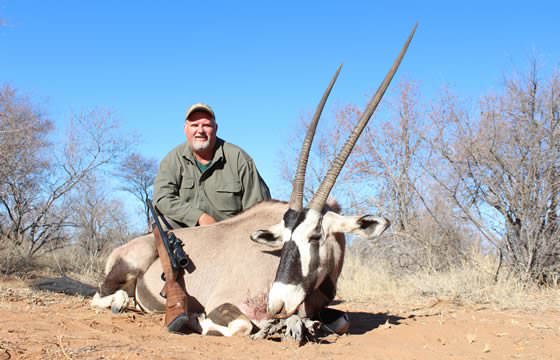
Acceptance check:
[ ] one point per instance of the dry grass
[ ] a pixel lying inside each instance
(81, 266)
(70, 261)
(13, 260)
(471, 283)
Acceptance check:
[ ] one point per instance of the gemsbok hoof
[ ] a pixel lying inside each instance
(120, 302)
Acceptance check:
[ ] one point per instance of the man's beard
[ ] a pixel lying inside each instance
(198, 145)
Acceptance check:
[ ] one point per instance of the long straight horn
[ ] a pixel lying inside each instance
(320, 197)
(296, 199)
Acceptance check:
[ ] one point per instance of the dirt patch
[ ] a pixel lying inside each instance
(39, 324)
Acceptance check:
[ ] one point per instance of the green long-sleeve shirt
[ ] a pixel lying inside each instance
(228, 186)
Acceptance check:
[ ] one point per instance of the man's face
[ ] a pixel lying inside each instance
(200, 130)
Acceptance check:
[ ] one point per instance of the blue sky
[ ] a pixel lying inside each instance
(260, 65)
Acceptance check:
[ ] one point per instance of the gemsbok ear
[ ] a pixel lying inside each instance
(271, 237)
(373, 226)
(366, 226)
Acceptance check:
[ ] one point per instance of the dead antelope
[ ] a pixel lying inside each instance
(237, 285)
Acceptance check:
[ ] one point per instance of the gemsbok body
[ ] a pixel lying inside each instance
(289, 269)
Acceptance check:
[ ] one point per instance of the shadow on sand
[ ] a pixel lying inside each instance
(64, 285)
(362, 322)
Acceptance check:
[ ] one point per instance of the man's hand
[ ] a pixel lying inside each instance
(206, 219)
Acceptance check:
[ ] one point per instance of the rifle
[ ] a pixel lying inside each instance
(173, 265)
(174, 247)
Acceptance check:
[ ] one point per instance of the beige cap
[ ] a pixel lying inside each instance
(200, 107)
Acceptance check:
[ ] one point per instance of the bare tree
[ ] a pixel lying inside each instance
(385, 158)
(138, 174)
(98, 221)
(388, 162)
(503, 169)
(24, 132)
(36, 177)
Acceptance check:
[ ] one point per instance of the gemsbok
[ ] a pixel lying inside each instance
(239, 286)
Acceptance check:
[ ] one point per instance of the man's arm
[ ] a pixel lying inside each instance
(167, 196)
(255, 189)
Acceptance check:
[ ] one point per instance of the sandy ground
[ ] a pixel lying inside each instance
(38, 324)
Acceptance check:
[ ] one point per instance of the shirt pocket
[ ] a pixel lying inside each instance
(228, 197)
(186, 191)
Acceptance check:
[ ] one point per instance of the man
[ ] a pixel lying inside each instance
(206, 179)
(200, 182)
